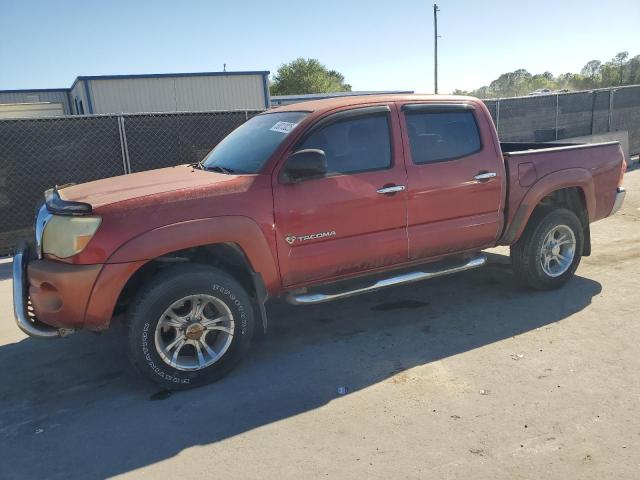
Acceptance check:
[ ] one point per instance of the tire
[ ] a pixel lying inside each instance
(165, 312)
(529, 259)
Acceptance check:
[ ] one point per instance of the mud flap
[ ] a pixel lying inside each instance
(260, 299)
(586, 249)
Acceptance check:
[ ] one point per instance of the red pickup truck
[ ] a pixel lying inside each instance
(309, 202)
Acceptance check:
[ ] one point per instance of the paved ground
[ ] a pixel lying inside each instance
(463, 377)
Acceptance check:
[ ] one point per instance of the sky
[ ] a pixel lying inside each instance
(376, 45)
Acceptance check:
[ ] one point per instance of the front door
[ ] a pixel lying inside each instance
(345, 223)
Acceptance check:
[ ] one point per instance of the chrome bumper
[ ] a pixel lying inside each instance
(620, 194)
(24, 318)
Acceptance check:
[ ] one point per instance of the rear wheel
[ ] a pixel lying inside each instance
(550, 249)
(191, 325)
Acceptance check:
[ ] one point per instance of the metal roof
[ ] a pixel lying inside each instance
(35, 90)
(169, 75)
(143, 75)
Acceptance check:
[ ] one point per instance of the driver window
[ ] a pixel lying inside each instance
(354, 145)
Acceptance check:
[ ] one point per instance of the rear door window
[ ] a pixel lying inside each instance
(440, 136)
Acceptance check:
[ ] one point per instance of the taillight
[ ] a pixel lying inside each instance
(623, 169)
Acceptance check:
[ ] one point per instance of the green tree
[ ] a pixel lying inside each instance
(511, 84)
(307, 75)
(544, 80)
(619, 61)
(591, 72)
(632, 71)
(609, 75)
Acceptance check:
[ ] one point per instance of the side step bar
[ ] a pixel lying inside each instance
(308, 298)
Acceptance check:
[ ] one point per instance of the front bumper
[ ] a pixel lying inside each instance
(50, 298)
(25, 318)
(620, 194)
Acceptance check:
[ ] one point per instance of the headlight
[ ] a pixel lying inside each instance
(65, 236)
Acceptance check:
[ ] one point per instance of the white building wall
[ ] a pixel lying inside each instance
(239, 92)
(31, 110)
(174, 94)
(133, 95)
(36, 96)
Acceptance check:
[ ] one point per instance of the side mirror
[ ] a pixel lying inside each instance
(303, 164)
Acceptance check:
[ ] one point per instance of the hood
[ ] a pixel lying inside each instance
(164, 181)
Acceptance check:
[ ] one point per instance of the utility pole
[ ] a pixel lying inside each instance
(435, 47)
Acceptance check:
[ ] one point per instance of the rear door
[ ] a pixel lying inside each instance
(454, 180)
(345, 223)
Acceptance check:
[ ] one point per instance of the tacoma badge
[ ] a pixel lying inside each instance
(292, 238)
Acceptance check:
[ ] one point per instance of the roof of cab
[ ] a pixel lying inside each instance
(337, 102)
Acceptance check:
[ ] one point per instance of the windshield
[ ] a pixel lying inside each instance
(247, 148)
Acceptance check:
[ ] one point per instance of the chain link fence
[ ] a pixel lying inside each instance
(36, 154)
(164, 140)
(625, 114)
(546, 118)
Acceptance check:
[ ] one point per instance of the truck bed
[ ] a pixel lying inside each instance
(596, 165)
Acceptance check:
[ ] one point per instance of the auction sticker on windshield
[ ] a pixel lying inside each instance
(283, 127)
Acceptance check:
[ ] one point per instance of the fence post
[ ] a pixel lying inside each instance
(126, 164)
(557, 112)
(593, 108)
(124, 157)
(611, 92)
(246, 115)
(498, 117)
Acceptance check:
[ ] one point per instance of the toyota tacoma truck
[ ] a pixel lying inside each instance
(309, 202)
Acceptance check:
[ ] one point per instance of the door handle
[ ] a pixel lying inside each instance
(391, 189)
(485, 176)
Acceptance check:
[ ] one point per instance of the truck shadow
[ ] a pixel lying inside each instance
(71, 409)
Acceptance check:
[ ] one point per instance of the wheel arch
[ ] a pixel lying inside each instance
(234, 244)
(228, 257)
(571, 188)
(243, 232)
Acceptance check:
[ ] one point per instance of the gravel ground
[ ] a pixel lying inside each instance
(466, 377)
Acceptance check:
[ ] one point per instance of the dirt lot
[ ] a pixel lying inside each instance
(462, 377)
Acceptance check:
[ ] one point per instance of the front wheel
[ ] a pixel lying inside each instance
(191, 325)
(550, 249)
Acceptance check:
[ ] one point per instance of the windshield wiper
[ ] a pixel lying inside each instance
(218, 168)
(214, 168)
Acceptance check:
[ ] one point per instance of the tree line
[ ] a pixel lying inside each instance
(620, 70)
(308, 75)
